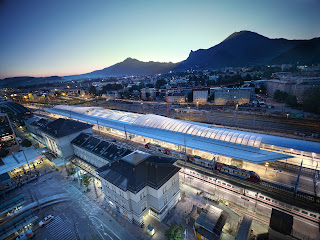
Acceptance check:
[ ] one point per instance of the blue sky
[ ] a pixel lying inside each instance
(63, 37)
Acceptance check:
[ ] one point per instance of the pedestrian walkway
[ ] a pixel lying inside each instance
(59, 230)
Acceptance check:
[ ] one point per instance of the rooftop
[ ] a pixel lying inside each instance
(63, 127)
(100, 147)
(150, 171)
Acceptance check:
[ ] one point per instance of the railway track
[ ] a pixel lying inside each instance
(279, 190)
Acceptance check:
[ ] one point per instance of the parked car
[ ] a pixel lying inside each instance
(25, 236)
(46, 220)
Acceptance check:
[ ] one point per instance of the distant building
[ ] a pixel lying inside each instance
(176, 98)
(282, 85)
(200, 96)
(145, 92)
(223, 96)
(140, 184)
(59, 133)
(299, 89)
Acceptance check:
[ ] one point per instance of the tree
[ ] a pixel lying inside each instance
(71, 171)
(93, 90)
(280, 96)
(312, 100)
(291, 101)
(175, 232)
(86, 179)
(160, 83)
(3, 152)
(26, 143)
(247, 77)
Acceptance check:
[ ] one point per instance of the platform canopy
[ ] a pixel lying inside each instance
(239, 145)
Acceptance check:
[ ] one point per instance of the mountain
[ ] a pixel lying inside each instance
(304, 53)
(242, 49)
(27, 81)
(132, 66)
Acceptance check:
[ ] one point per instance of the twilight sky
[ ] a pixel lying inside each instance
(64, 37)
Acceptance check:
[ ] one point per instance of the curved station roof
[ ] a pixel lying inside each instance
(225, 142)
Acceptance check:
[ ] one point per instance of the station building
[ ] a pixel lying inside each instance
(59, 133)
(140, 184)
(227, 145)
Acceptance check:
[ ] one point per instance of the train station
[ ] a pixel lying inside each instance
(200, 139)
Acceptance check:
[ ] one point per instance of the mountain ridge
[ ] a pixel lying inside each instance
(240, 49)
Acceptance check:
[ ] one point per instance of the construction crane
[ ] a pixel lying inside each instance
(167, 100)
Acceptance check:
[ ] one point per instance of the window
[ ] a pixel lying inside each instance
(296, 209)
(228, 185)
(143, 206)
(164, 189)
(304, 212)
(122, 203)
(165, 200)
(281, 204)
(268, 199)
(173, 190)
(120, 193)
(142, 195)
(173, 181)
(224, 183)
(261, 197)
(312, 215)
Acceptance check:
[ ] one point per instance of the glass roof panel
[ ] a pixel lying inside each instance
(195, 131)
(251, 141)
(257, 142)
(234, 137)
(204, 132)
(228, 137)
(218, 135)
(245, 139)
(240, 138)
(223, 135)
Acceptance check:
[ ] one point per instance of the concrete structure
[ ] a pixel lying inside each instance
(245, 228)
(223, 96)
(200, 96)
(209, 224)
(58, 135)
(176, 98)
(140, 184)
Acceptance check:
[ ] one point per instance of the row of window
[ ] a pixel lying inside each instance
(288, 206)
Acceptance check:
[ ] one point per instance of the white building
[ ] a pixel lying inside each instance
(200, 96)
(223, 96)
(59, 133)
(140, 184)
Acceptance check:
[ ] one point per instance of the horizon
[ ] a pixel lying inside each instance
(73, 38)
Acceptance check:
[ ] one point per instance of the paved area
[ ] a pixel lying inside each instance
(58, 229)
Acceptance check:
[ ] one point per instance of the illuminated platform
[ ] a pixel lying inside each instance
(234, 144)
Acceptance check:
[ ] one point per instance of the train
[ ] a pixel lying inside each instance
(227, 169)
(157, 148)
(250, 195)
